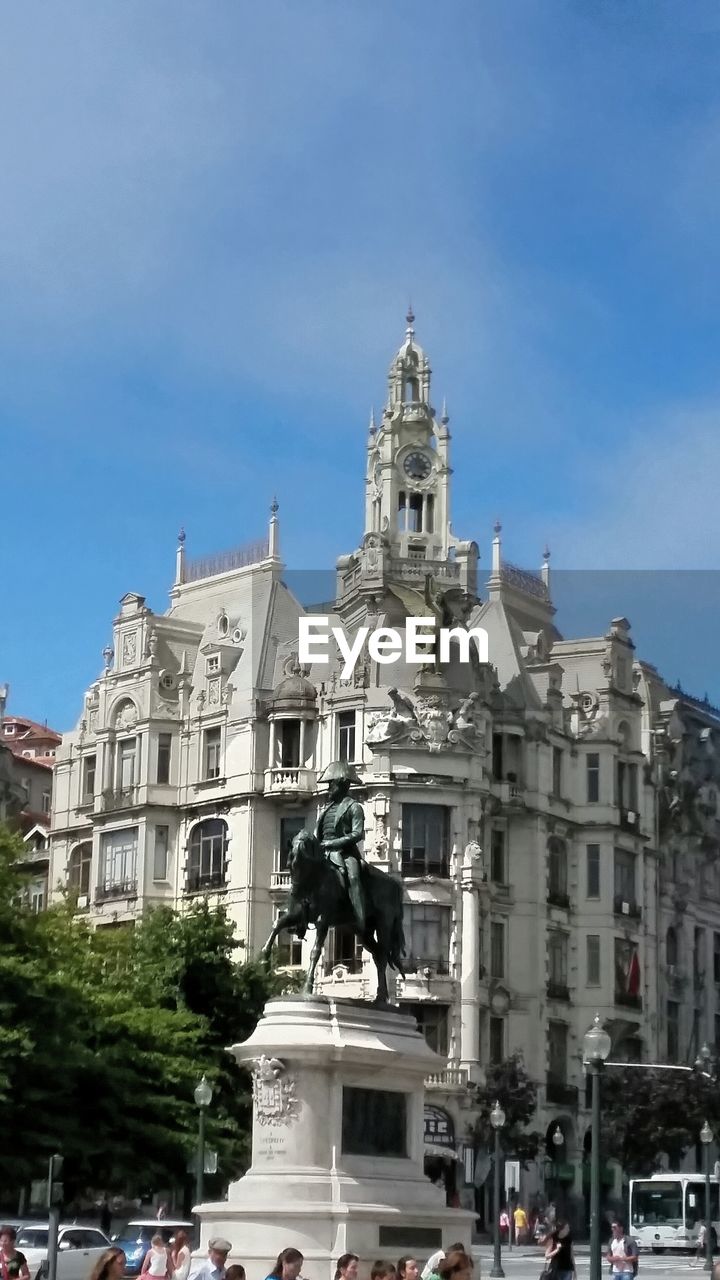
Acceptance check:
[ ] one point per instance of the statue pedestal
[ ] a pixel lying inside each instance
(337, 1148)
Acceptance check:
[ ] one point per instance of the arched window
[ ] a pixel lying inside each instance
(206, 864)
(671, 947)
(557, 871)
(412, 390)
(79, 867)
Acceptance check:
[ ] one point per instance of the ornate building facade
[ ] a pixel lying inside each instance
(553, 812)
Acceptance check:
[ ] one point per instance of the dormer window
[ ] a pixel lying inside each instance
(212, 664)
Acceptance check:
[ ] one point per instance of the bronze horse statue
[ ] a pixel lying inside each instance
(319, 896)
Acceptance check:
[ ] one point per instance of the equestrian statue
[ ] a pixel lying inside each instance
(331, 885)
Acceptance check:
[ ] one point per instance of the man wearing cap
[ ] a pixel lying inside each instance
(340, 826)
(214, 1268)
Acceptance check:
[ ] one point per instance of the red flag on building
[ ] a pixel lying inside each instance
(633, 974)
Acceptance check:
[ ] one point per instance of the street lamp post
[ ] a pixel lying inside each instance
(706, 1137)
(558, 1142)
(596, 1048)
(497, 1120)
(203, 1098)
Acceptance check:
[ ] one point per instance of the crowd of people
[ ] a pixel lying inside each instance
(164, 1262)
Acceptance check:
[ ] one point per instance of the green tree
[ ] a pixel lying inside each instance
(648, 1115)
(509, 1084)
(105, 1034)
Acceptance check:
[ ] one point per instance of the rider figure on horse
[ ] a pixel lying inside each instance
(340, 827)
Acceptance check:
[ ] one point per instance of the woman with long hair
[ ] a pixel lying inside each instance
(287, 1266)
(347, 1267)
(109, 1266)
(456, 1265)
(180, 1256)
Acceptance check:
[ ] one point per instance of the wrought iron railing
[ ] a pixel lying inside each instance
(116, 889)
(225, 561)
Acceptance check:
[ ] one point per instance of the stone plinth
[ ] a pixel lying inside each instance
(337, 1153)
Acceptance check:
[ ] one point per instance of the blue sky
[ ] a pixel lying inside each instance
(213, 215)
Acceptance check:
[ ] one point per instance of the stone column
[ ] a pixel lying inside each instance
(469, 978)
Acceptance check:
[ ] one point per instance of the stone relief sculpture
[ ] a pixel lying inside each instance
(274, 1092)
(428, 721)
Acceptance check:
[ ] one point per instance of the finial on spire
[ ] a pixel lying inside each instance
(410, 318)
(444, 416)
(496, 562)
(274, 531)
(545, 571)
(373, 427)
(180, 559)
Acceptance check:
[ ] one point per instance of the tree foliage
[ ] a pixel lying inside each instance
(106, 1033)
(509, 1084)
(648, 1115)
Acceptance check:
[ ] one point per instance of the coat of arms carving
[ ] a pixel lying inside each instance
(274, 1092)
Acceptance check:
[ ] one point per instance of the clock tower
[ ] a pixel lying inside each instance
(408, 472)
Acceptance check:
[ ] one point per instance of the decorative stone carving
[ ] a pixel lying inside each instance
(129, 648)
(428, 721)
(274, 1092)
(126, 715)
(392, 723)
(214, 692)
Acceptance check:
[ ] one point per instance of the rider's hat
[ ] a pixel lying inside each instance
(339, 771)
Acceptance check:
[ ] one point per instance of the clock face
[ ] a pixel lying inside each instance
(417, 465)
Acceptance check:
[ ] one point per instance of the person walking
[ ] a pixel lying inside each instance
(13, 1263)
(560, 1255)
(408, 1269)
(288, 1265)
(214, 1268)
(109, 1266)
(157, 1260)
(105, 1217)
(347, 1267)
(622, 1253)
(520, 1219)
(180, 1256)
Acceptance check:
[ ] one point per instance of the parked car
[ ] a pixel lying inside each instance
(135, 1237)
(79, 1248)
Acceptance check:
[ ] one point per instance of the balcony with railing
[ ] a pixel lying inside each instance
(451, 1079)
(288, 781)
(628, 1001)
(119, 798)
(630, 910)
(560, 1093)
(437, 964)
(556, 898)
(280, 882)
(205, 881)
(116, 889)
(409, 567)
(422, 866)
(558, 991)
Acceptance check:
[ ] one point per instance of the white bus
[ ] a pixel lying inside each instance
(667, 1210)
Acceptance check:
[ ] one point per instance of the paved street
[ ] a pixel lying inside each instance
(526, 1264)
